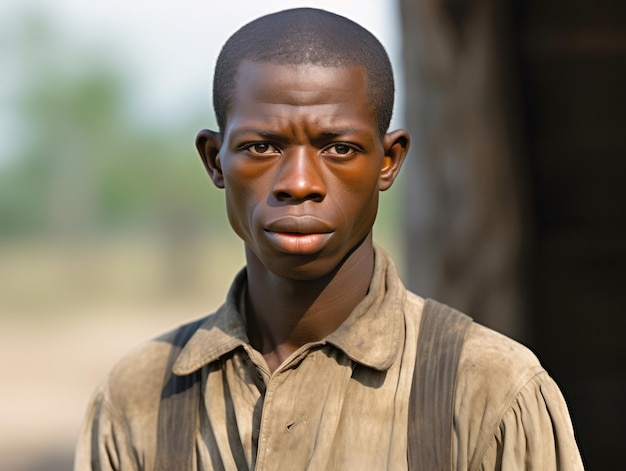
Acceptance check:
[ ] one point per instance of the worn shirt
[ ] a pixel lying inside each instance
(337, 404)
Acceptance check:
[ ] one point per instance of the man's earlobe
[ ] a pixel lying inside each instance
(209, 144)
(396, 145)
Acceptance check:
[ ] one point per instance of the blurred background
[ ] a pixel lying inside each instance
(511, 206)
(110, 230)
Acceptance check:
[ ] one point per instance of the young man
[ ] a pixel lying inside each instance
(310, 362)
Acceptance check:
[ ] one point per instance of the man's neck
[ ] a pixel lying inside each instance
(284, 314)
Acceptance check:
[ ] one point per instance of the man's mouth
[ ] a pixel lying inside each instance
(298, 234)
(298, 225)
(298, 242)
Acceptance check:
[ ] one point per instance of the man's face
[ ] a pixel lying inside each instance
(301, 161)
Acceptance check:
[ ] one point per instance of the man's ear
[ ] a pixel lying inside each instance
(396, 145)
(209, 144)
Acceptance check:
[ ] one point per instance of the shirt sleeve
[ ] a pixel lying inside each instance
(535, 433)
(102, 444)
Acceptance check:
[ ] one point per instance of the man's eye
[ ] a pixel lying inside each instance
(261, 148)
(340, 149)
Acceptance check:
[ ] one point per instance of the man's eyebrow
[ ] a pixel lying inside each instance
(257, 131)
(266, 132)
(341, 132)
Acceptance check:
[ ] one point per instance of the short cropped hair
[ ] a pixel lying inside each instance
(305, 36)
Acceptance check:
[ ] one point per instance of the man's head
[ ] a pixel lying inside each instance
(305, 36)
(300, 153)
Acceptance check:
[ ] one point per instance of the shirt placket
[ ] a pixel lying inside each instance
(275, 421)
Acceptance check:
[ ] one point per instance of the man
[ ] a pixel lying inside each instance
(310, 362)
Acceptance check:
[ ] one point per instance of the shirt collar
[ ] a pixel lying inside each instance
(371, 335)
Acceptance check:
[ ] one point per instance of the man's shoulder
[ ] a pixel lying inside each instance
(494, 371)
(492, 367)
(490, 355)
(485, 352)
(505, 397)
(136, 380)
(124, 410)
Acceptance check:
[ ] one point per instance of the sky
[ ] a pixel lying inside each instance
(168, 47)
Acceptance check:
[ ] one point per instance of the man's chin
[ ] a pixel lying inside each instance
(301, 267)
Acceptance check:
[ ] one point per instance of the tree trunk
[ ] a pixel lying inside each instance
(466, 200)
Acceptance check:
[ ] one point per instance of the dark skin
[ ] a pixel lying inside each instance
(302, 163)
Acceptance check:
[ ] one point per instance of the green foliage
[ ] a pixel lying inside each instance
(82, 165)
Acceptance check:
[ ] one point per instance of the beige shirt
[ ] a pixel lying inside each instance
(338, 404)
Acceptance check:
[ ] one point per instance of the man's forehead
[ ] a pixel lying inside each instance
(262, 86)
(254, 78)
(299, 84)
(274, 68)
(269, 95)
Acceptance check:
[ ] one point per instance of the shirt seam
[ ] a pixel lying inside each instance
(487, 443)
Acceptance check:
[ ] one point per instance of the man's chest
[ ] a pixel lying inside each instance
(322, 412)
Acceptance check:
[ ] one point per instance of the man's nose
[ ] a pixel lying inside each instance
(299, 177)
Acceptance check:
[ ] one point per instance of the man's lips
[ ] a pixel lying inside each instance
(298, 225)
(298, 234)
